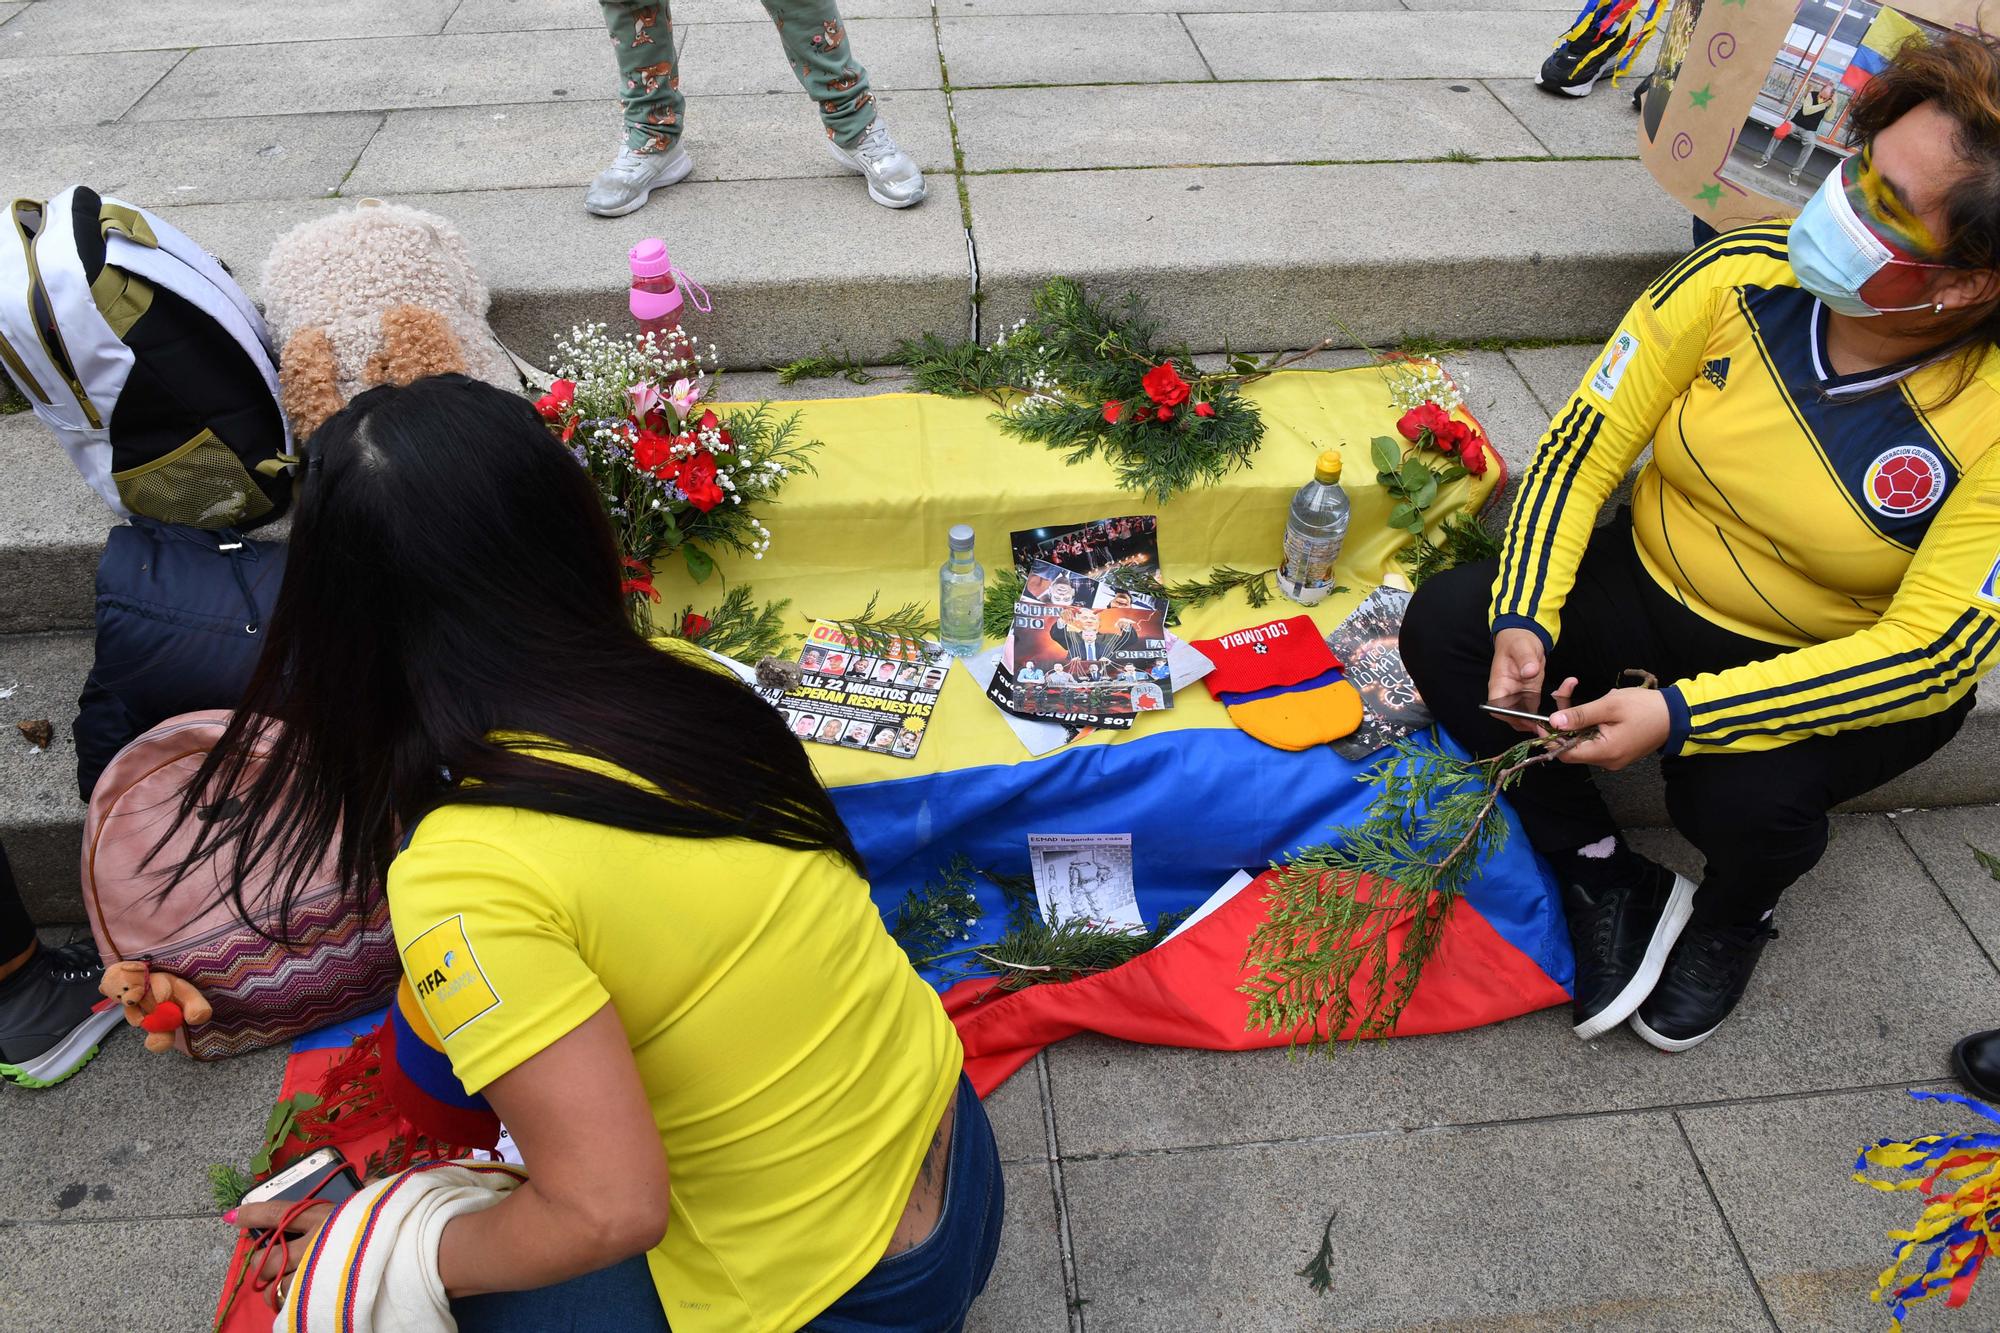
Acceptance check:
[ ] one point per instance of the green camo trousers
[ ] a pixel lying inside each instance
(815, 45)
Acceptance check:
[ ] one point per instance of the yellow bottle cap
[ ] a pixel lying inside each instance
(1327, 469)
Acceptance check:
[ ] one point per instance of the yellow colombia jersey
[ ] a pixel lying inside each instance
(1784, 502)
(797, 1066)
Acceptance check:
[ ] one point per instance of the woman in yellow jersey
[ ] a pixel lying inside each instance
(1810, 565)
(626, 906)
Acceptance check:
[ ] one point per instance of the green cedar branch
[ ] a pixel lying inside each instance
(1321, 961)
(739, 628)
(997, 616)
(1462, 540)
(876, 632)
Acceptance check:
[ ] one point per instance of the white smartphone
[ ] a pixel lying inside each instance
(1517, 707)
(323, 1175)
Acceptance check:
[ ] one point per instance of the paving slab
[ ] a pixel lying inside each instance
(1230, 124)
(164, 164)
(1069, 48)
(1271, 256)
(526, 15)
(1015, 1108)
(985, 8)
(1025, 1289)
(1944, 840)
(64, 27)
(381, 74)
(1476, 45)
(153, 1276)
(858, 275)
(50, 90)
(1603, 124)
(1442, 1230)
(1885, 1007)
(48, 519)
(95, 1158)
(749, 58)
(766, 136)
(10, 9)
(1815, 1238)
(1553, 373)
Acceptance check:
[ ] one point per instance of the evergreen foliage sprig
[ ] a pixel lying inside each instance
(1319, 1270)
(738, 627)
(826, 366)
(1322, 959)
(1038, 950)
(877, 632)
(997, 616)
(1218, 583)
(938, 915)
(1987, 861)
(228, 1184)
(1462, 540)
(1091, 379)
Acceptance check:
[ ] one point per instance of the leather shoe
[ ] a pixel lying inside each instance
(1976, 1062)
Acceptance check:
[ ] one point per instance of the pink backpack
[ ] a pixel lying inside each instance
(343, 963)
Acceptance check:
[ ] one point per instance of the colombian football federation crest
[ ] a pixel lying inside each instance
(1904, 481)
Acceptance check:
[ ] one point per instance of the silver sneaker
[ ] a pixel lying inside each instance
(893, 178)
(630, 180)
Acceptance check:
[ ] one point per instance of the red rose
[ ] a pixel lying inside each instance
(1204, 409)
(1473, 456)
(694, 625)
(1451, 436)
(697, 482)
(1423, 417)
(1165, 414)
(1111, 411)
(557, 401)
(654, 454)
(1165, 386)
(709, 421)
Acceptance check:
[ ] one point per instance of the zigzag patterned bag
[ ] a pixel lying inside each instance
(341, 963)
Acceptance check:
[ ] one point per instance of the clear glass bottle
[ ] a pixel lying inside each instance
(1313, 534)
(961, 596)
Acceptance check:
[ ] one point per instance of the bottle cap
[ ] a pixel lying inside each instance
(650, 259)
(961, 537)
(1327, 469)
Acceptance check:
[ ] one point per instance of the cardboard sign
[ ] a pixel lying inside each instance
(1748, 109)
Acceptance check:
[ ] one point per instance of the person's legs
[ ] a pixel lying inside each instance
(1808, 140)
(822, 56)
(649, 87)
(618, 1299)
(1759, 820)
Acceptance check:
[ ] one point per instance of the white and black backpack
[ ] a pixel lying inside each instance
(146, 359)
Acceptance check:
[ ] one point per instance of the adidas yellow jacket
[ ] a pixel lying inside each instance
(1860, 530)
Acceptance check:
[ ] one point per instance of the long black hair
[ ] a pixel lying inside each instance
(450, 601)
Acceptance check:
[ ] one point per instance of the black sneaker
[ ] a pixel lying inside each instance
(1705, 978)
(1621, 932)
(52, 1016)
(1574, 67)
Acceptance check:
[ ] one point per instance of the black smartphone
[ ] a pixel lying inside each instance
(1526, 706)
(323, 1175)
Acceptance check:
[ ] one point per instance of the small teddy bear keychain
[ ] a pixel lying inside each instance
(159, 1002)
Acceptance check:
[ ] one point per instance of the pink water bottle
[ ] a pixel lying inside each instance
(656, 291)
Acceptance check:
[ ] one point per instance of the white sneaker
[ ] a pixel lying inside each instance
(630, 180)
(893, 178)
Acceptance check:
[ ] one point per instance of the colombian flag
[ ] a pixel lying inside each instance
(1884, 38)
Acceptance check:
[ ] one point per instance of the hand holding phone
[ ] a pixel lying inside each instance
(1523, 707)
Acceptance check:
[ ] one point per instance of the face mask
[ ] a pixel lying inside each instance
(1835, 255)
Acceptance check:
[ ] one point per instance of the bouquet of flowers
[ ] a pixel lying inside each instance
(674, 475)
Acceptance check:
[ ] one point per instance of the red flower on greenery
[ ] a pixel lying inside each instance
(1111, 411)
(1165, 386)
(1165, 414)
(694, 625)
(1204, 409)
(654, 453)
(641, 580)
(1424, 418)
(557, 401)
(697, 482)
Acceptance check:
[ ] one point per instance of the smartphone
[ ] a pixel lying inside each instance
(1522, 706)
(323, 1175)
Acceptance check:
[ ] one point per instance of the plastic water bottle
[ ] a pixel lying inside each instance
(1313, 534)
(961, 596)
(656, 292)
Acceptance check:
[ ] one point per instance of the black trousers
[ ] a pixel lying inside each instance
(17, 932)
(1758, 817)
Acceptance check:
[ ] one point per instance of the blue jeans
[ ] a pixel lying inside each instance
(925, 1289)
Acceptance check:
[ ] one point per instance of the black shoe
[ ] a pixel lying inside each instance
(1705, 978)
(52, 1016)
(1620, 932)
(1976, 1061)
(1575, 66)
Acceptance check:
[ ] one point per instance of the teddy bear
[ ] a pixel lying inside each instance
(159, 1002)
(376, 294)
